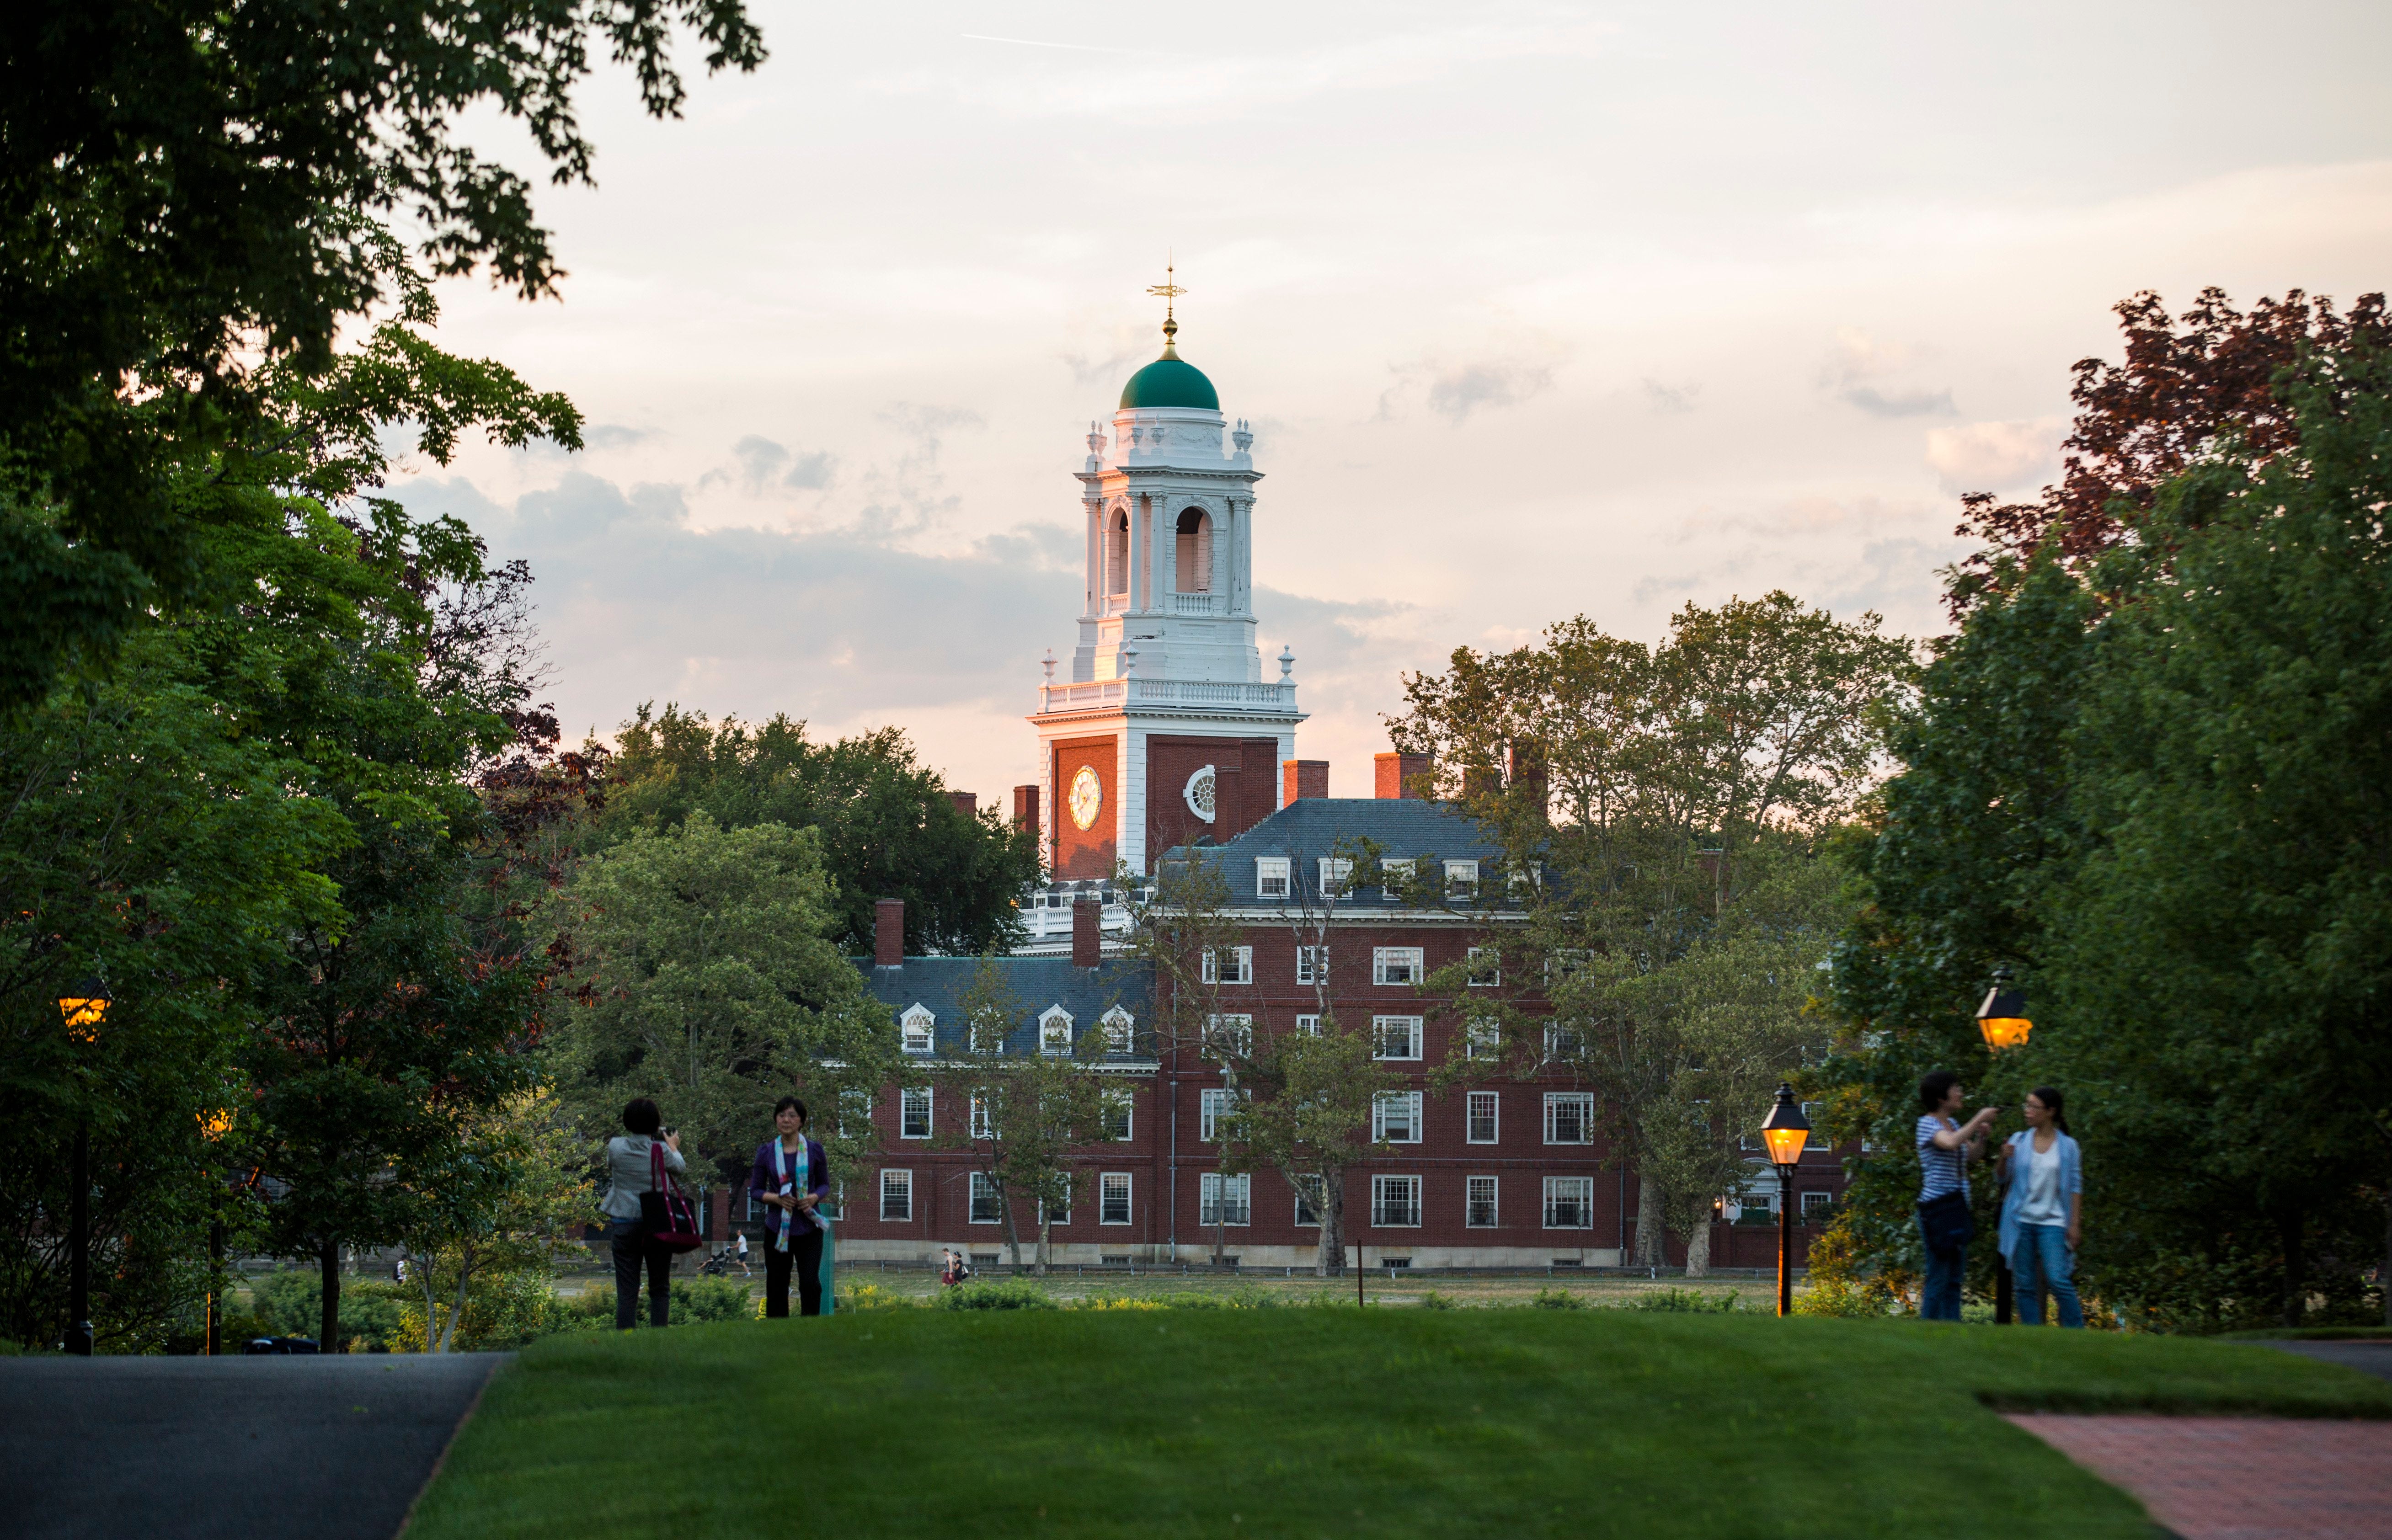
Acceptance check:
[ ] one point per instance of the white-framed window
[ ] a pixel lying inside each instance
(1213, 1105)
(1272, 875)
(1312, 965)
(1225, 1035)
(1460, 881)
(1396, 1037)
(1394, 875)
(1486, 1117)
(1397, 965)
(1225, 1200)
(1229, 964)
(1519, 880)
(914, 1112)
(1395, 1117)
(896, 1197)
(1482, 1038)
(1059, 1212)
(856, 1113)
(1570, 1117)
(1121, 1029)
(1308, 1202)
(1817, 1203)
(1479, 1211)
(1570, 1202)
(1563, 1043)
(987, 1202)
(981, 1128)
(1055, 1032)
(1563, 964)
(832, 1206)
(1117, 1113)
(1112, 1198)
(1308, 1025)
(1486, 968)
(917, 1031)
(1818, 1143)
(1336, 877)
(1395, 1202)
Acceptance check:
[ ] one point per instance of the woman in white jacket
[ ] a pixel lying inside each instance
(631, 1171)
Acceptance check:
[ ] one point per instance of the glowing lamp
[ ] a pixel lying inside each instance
(85, 1006)
(215, 1123)
(1786, 1130)
(2002, 1018)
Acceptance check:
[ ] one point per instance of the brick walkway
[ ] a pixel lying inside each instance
(2238, 1478)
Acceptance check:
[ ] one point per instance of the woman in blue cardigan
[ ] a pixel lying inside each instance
(793, 1178)
(2043, 1209)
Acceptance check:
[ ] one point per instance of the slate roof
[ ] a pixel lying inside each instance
(1312, 827)
(939, 984)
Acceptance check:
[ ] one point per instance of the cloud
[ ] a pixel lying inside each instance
(615, 435)
(1996, 457)
(1454, 389)
(1671, 400)
(1859, 362)
(765, 466)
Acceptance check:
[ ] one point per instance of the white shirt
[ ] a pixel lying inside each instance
(2043, 1204)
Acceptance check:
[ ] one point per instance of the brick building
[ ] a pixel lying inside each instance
(1166, 742)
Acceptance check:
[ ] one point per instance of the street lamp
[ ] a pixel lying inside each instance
(215, 1123)
(84, 1008)
(1785, 1133)
(2002, 1018)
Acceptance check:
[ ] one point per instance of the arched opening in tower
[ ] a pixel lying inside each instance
(1195, 550)
(1117, 553)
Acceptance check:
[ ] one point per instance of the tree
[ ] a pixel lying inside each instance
(192, 203)
(890, 827)
(1031, 1104)
(1308, 1116)
(511, 1200)
(1648, 798)
(710, 984)
(2149, 781)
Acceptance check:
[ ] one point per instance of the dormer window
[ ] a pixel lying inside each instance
(1271, 877)
(1336, 877)
(915, 1031)
(1460, 881)
(1055, 1032)
(1119, 1026)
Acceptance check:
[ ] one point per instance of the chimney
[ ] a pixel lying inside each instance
(888, 934)
(967, 803)
(1398, 773)
(1528, 776)
(1304, 778)
(1087, 932)
(1025, 809)
(1482, 780)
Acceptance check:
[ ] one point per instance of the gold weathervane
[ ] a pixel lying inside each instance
(1168, 291)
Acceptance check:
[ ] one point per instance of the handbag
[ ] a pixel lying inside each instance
(1947, 1221)
(669, 1219)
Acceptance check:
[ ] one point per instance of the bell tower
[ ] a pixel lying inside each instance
(1164, 732)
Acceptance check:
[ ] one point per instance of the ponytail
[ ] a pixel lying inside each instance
(2050, 1097)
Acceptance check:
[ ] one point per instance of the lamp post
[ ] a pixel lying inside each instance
(1785, 1133)
(2002, 1021)
(84, 1008)
(213, 1125)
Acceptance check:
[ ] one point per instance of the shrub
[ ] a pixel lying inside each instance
(1558, 1299)
(1434, 1301)
(1846, 1297)
(696, 1299)
(1012, 1294)
(864, 1296)
(1692, 1301)
(292, 1305)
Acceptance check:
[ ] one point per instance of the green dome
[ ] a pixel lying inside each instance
(1170, 380)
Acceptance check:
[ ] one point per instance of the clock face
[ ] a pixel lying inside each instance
(1087, 797)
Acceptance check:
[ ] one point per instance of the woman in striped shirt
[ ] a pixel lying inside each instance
(1945, 1149)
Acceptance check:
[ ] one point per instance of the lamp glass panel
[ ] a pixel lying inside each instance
(1784, 1144)
(2005, 1031)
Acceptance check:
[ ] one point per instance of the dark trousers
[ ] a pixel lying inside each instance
(1939, 1297)
(805, 1252)
(632, 1250)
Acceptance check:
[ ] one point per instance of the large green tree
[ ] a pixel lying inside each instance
(889, 827)
(192, 198)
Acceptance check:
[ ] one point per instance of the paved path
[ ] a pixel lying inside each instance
(2238, 1477)
(2371, 1357)
(331, 1448)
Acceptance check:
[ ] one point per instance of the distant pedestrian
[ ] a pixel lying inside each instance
(792, 1177)
(1946, 1147)
(745, 1271)
(2043, 1209)
(630, 1162)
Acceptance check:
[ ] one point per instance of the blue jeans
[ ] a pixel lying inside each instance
(1940, 1300)
(2041, 1263)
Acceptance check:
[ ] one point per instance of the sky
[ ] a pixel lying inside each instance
(1536, 311)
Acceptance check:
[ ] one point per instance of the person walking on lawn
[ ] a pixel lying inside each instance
(631, 1165)
(1945, 1149)
(793, 1176)
(2043, 1172)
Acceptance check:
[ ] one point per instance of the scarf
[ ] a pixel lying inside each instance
(780, 1173)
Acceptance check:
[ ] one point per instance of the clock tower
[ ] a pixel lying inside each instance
(1164, 731)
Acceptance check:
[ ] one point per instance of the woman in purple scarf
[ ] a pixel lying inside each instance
(791, 1178)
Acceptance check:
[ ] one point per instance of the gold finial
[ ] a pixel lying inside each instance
(1168, 291)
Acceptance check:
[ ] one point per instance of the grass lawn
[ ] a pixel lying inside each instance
(1326, 1422)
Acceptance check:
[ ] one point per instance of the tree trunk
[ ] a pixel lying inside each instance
(1698, 1249)
(465, 1272)
(1012, 1230)
(1332, 1224)
(2384, 1275)
(1045, 1229)
(1651, 1250)
(328, 1339)
(430, 1316)
(2296, 1284)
